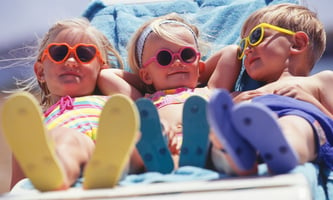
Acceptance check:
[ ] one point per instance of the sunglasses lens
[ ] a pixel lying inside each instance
(58, 52)
(164, 58)
(242, 46)
(188, 55)
(85, 53)
(255, 35)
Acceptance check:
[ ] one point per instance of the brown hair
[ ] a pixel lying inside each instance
(295, 18)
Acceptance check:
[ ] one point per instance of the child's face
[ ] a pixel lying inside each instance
(70, 77)
(267, 60)
(177, 73)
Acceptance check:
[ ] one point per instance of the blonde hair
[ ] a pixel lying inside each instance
(295, 18)
(103, 44)
(162, 30)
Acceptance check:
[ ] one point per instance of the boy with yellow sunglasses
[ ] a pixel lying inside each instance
(289, 120)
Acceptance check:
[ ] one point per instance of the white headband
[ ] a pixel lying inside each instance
(145, 33)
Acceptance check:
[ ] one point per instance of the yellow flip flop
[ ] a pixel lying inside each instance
(24, 130)
(116, 135)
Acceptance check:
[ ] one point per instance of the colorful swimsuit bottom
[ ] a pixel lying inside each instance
(80, 113)
(283, 106)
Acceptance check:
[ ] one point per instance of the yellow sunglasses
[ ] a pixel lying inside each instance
(256, 36)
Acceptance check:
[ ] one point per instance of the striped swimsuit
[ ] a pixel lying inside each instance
(80, 113)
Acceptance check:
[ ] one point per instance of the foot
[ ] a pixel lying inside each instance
(258, 125)
(24, 130)
(152, 145)
(195, 143)
(220, 108)
(116, 136)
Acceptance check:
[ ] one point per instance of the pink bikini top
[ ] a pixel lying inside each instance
(173, 96)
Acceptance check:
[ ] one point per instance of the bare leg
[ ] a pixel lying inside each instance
(224, 163)
(17, 173)
(300, 136)
(73, 150)
(136, 164)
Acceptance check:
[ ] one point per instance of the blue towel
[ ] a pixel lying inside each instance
(186, 173)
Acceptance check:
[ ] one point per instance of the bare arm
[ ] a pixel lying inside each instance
(246, 95)
(224, 67)
(315, 89)
(325, 92)
(112, 81)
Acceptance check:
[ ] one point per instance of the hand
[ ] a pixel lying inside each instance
(174, 145)
(246, 95)
(295, 91)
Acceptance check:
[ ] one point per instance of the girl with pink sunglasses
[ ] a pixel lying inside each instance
(166, 54)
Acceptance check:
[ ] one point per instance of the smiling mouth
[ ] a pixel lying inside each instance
(252, 60)
(177, 72)
(70, 77)
(70, 74)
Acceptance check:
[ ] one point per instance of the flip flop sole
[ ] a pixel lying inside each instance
(195, 143)
(220, 108)
(152, 145)
(24, 130)
(117, 131)
(258, 125)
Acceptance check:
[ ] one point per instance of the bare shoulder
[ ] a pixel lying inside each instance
(325, 73)
(323, 77)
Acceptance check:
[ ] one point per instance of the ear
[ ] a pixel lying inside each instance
(39, 71)
(202, 66)
(145, 77)
(301, 42)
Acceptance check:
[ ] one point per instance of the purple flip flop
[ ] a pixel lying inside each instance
(219, 111)
(257, 124)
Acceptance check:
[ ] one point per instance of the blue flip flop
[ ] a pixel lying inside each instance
(195, 143)
(257, 124)
(220, 108)
(152, 145)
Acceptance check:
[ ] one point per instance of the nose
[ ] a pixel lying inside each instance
(176, 61)
(248, 50)
(71, 61)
